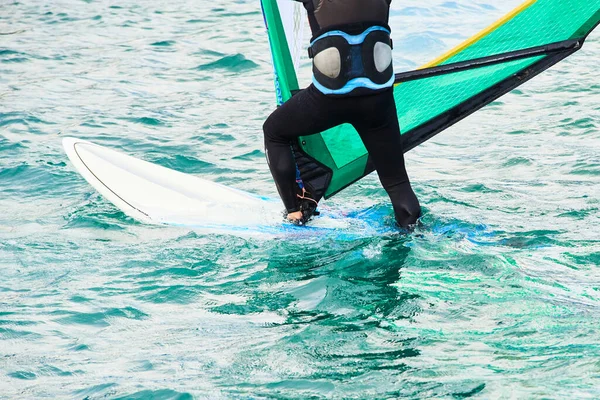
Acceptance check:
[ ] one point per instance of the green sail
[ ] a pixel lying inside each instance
(521, 45)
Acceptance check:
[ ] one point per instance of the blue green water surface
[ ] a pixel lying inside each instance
(496, 294)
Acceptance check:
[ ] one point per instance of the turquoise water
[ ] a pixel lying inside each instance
(496, 295)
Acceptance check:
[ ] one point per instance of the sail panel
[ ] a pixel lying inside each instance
(540, 23)
(421, 100)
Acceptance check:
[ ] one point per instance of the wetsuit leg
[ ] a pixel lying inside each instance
(377, 124)
(306, 113)
(375, 119)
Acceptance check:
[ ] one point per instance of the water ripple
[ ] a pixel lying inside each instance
(496, 293)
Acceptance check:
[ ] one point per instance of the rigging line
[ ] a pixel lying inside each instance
(544, 50)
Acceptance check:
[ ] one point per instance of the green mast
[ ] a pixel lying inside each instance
(286, 80)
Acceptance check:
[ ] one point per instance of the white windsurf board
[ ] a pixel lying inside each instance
(154, 194)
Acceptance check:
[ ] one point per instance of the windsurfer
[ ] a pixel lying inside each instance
(352, 83)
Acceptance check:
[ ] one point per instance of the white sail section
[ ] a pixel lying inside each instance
(293, 16)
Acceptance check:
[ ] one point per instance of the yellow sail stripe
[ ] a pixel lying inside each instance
(508, 17)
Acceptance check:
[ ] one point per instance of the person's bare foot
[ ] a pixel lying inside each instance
(295, 216)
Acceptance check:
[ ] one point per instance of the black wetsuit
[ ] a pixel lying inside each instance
(373, 115)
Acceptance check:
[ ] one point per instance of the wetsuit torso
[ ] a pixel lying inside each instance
(334, 13)
(351, 46)
(372, 112)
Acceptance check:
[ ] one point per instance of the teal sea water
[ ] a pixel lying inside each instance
(496, 294)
